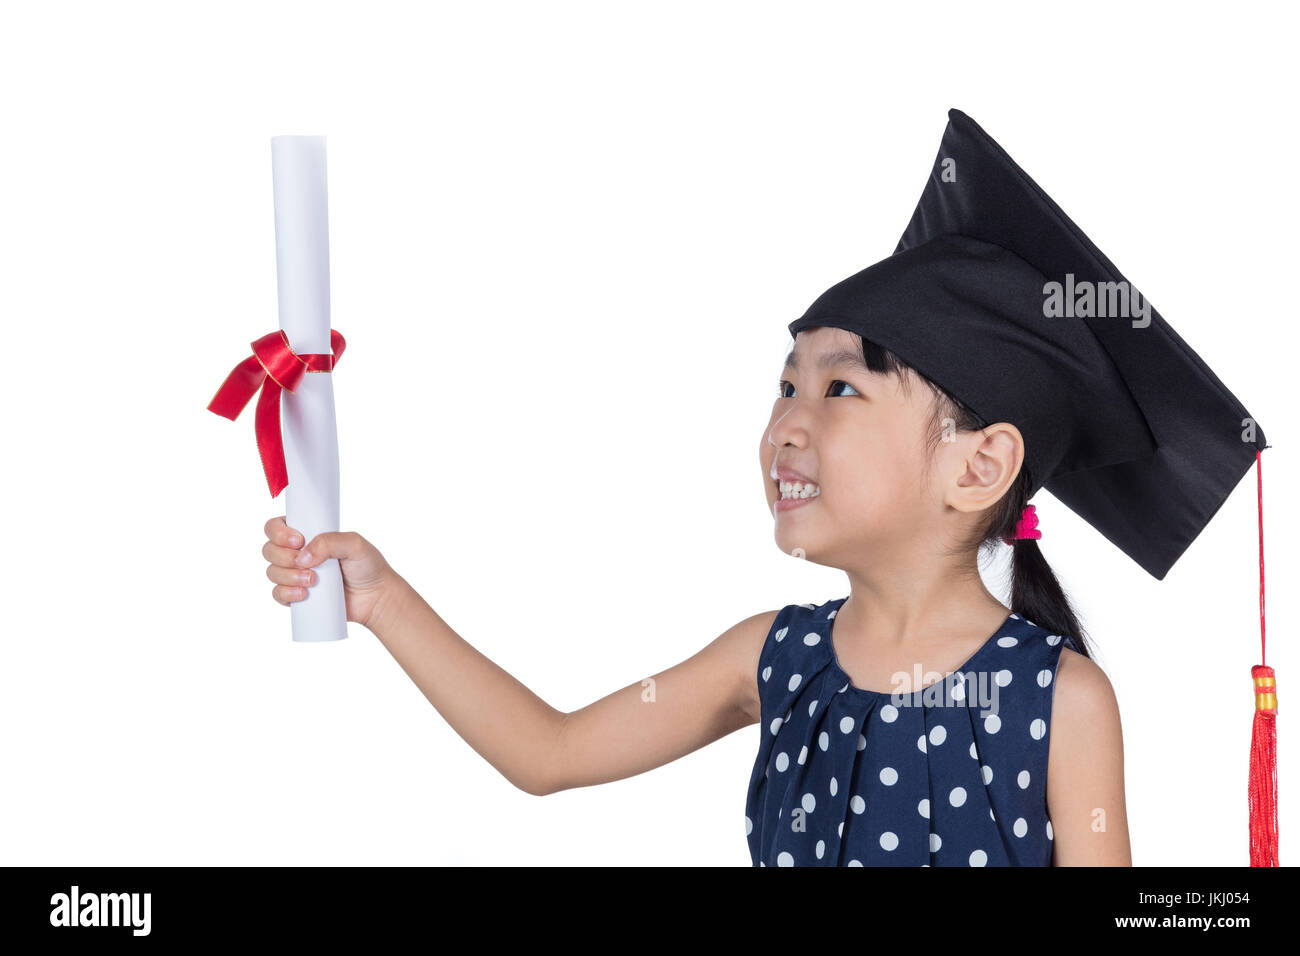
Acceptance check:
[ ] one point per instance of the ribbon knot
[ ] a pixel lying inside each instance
(274, 368)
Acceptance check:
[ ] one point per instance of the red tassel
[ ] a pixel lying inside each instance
(1263, 770)
(1262, 792)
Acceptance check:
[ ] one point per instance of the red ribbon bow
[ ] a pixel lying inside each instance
(272, 367)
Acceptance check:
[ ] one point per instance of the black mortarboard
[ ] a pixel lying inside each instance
(1122, 421)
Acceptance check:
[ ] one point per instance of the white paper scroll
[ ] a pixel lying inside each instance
(311, 449)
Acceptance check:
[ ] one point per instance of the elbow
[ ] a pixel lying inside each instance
(537, 788)
(541, 778)
(531, 787)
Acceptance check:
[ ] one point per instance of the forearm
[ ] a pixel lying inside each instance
(506, 723)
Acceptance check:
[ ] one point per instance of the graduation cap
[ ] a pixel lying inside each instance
(994, 294)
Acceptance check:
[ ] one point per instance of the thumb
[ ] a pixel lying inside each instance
(328, 544)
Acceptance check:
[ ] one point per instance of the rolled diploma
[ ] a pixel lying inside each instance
(311, 449)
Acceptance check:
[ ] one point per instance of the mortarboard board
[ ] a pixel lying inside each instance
(997, 296)
(994, 294)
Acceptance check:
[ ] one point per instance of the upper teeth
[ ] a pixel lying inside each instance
(799, 489)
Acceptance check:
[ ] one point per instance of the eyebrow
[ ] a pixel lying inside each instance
(835, 359)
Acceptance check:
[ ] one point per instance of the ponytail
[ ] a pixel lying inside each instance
(1037, 595)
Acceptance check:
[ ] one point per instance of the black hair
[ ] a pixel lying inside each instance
(1035, 592)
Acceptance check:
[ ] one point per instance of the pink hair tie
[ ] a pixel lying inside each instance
(1027, 526)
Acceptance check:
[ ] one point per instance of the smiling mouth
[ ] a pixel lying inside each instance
(792, 490)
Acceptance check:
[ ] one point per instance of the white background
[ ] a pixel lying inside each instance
(566, 240)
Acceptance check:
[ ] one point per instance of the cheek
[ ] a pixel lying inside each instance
(879, 481)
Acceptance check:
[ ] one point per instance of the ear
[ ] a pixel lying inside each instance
(990, 464)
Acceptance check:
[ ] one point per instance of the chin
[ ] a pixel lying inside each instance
(788, 541)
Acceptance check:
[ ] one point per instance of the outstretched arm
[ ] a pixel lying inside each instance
(541, 749)
(666, 716)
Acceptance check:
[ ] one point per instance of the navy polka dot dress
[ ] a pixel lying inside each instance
(954, 774)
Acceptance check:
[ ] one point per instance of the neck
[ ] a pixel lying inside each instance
(913, 597)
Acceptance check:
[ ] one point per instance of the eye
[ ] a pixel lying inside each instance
(783, 385)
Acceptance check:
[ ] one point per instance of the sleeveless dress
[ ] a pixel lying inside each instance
(954, 774)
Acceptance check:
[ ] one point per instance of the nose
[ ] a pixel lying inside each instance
(789, 429)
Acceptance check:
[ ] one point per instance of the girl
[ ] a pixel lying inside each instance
(907, 535)
(917, 721)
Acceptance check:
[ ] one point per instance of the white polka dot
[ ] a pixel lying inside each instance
(988, 774)
(832, 614)
(992, 724)
(991, 816)
(780, 635)
(782, 761)
(974, 754)
(824, 740)
(1015, 617)
(1020, 827)
(889, 713)
(809, 803)
(794, 680)
(1002, 678)
(862, 741)
(923, 808)
(1023, 779)
(840, 829)
(920, 743)
(776, 724)
(959, 689)
(1008, 641)
(935, 843)
(835, 786)
(821, 849)
(803, 755)
(979, 858)
(767, 672)
(811, 638)
(889, 776)
(855, 862)
(938, 734)
(847, 724)
(1044, 677)
(1054, 639)
(958, 796)
(857, 804)
(845, 687)
(811, 708)
(889, 840)
(1037, 728)
(749, 825)
(1049, 829)
(784, 859)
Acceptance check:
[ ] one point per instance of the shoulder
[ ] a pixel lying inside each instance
(1085, 712)
(744, 643)
(758, 644)
(1083, 691)
(1074, 690)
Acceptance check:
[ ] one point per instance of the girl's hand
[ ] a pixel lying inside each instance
(367, 577)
